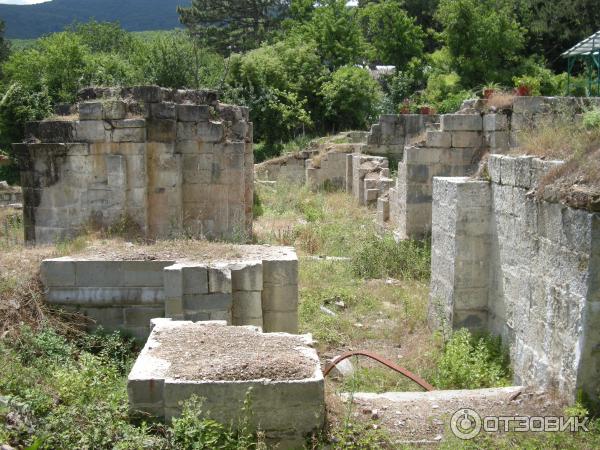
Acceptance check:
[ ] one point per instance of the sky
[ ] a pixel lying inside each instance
(21, 2)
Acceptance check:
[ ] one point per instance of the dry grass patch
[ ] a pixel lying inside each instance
(577, 182)
(500, 100)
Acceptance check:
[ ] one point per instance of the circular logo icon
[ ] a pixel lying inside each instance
(465, 423)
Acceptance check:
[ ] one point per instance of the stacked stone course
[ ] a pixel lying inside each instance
(173, 161)
(525, 269)
(126, 295)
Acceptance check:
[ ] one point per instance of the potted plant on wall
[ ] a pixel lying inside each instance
(526, 86)
(405, 107)
(490, 89)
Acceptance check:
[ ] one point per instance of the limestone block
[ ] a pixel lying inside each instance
(173, 281)
(247, 308)
(439, 139)
(461, 139)
(247, 276)
(161, 130)
(494, 168)
(98, 273)
(383, 210)
(497, 140)
(148, 94)
(275, 321)
(371, 195)
(91, 110)
(193, 113)
(508, 171)
(91, 131)
(207, 302)
(163, 110)
(210, 131)
(281, 271)
(495, 122)
(280, 297)
(461, 122)
(129, 135)
(523, 169)
(138, 316)
(58, 272)
(143, 273)
(174, 308)
(114, 109)
(186, 131)
(128, 123)
(219, 280)
(541, 168)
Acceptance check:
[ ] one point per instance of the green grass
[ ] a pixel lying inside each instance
(59, 393)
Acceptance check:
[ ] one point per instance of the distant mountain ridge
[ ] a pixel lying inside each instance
(32, 21)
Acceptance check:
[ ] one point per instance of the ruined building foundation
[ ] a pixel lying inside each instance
(525, 269)
(175, 162)
(242, 285)
(279, 373)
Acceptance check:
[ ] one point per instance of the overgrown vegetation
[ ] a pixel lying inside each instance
(577, 182)
(470, 362)
(59, 393)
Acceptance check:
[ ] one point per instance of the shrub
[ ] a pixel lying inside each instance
(591, 119)
(351, 98)
(470, 362)
(381, 257)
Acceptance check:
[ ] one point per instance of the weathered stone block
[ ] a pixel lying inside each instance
(247, 308)
(219, 280)
(281, 271)
(163, 110)
(91, 131)
(275, 321)
(461, 122)
(161, 130)
(141, 317)
(461, 139)
(114, 109)
(280, 297)
(439, 139)
(207, 302)
(91, 111)
(247, 276)
(58, 272)
(210, 131)
(193, 113)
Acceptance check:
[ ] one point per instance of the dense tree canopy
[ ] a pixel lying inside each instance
(236, 25)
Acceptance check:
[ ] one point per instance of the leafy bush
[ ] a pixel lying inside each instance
(58, 393)
(591, 119)
(384, 257)
(350, 98)
(470, 362)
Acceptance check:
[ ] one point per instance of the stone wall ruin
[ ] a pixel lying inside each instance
(525, 269)
(175, 162)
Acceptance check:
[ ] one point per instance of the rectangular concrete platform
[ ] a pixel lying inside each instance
(222, 365)
(124, 287)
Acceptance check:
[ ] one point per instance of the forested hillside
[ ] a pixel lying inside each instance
(31, 21)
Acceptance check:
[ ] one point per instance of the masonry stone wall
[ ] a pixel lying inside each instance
(173, 161)
(9, 195)
(126, 295)
(524, 269)
(286, 411)
(287, 168)
(393, 132)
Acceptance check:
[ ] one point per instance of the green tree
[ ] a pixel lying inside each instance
(351, 98)
(484, 39)
(17, 106)
(394, 36)
(335, 29)
(103, 36)
(280, 84)
(233, 25)
(4, 44)
(554, 26)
